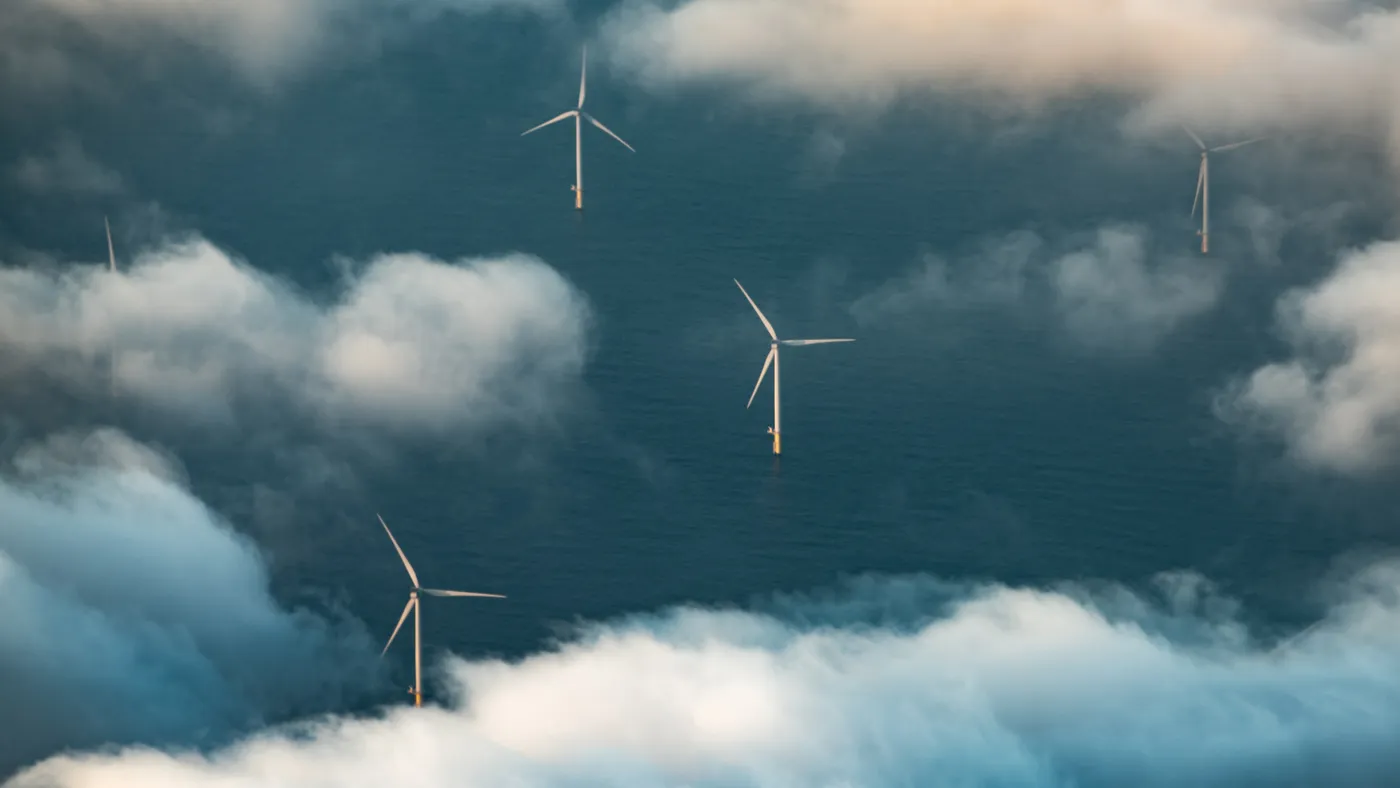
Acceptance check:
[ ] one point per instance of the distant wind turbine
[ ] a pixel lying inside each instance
(777, 429)
(579, 116)
(1203, 184)
(111, 251)
(112, 267)
(415, 605)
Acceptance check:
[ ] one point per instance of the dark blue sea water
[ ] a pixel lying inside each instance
(966, 443)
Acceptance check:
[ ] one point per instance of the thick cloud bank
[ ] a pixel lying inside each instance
(893, 683)
(1337, 403)
(1106, 292)
(411, 343)
(130, 612)
(1327, 64)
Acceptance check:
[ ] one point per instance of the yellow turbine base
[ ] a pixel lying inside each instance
(417, 699)
(777, 443)
(578, 199)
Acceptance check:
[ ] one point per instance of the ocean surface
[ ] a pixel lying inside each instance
(966, 442)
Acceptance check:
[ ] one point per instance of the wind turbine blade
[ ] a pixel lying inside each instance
(1234, 145)
(1198, 140)
(406, 564)
(1200, 178)
(583, 78)
(608, 131)
(111, 252)
(568, 114)
(766, 362)
(442, 592)
(406, 610)
(766, 324)
(801, 342)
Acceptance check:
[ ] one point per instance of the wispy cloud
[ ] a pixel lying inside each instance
(410, 343)
(894, 682)
(134, 613)
(1336, 404)
(50, 43)
(1106, 293)
(66, 169)
(1109, 296)
(821, 157)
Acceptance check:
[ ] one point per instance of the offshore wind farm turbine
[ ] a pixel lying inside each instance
(579, 116)
(415, 604)
(1203, 184)
(111, 251)
(777, 429)
(111, 267)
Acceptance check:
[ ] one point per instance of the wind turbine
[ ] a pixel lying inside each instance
(111, 252)
(415, 605)
(1203, 184)
(579, 116)
(777, 429)
(112, 267)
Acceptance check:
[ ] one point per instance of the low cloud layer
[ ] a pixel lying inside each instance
(903, 682)
(1326, 65)
(1336, 404)
(410, 344)
(1106, 292)
(133, 613)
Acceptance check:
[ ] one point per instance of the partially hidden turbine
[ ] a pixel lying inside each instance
(579, 116)
(111, 268)
(415, 605)
(777, 429)
(111, 251)
(1203, 184)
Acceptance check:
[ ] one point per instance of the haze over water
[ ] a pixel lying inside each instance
(985, 427)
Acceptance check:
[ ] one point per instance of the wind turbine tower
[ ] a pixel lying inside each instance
(777, 429)
(415, 604)
(579, 116)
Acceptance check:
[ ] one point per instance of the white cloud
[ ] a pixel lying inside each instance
(1336, 405)
(995, 686)
(1105, 294)
(1238, 64)
(411, 344)
(133, 613)
(67, 168)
